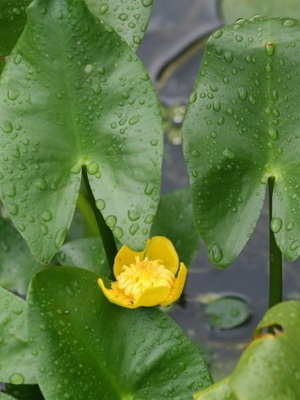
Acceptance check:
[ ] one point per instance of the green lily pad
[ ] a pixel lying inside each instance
(74, 95)
(90, 348)
(227, 312)
(241, 128)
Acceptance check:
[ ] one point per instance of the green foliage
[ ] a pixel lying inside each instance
(227, 312)
(4, 396)
(128, 17)
(231, 10)
(241, 128)
(175, 220)
(75, 95)
(269, 367)
(12, 20)
(89, 348)
(17, 362)
(87, 253)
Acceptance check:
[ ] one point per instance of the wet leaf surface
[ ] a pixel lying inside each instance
(245, 101)
(88, 347)
(73, 95)
(17, 362)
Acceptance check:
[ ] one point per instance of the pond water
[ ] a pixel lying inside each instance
(172, 52)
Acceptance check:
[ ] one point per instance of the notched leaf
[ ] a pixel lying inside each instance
(271, 329)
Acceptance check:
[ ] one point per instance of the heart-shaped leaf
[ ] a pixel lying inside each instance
(74, 95)
(241, 128)
(269, 367)
(90, 348)
(17, 363)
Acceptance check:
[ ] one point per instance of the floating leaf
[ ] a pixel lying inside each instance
(227, 312)
(269, 367)
(232, 10)
(175, 220)
(89, 348)
(17, 364)
(74, 95)
(241, 128)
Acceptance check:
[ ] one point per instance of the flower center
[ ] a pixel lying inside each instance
(144, 274)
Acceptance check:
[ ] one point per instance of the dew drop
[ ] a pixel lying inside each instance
(228, 153)
(7, 126)
(147, 3)
(273, 133)
(290, 226)
(41, 184)
(134, 228)
(16, 379)
(111, 221)
(92, 168)
(134, 120)
(13, 94)
(47, 216)
(228, 56)
(60, 237)
(149, 189)
(134, 215)
(216, 253)
(217, 34)
(295, 245)
(118, 232)
(193, 97)
(76, 169)
(269, 46)
(242, 92)
(13, 209)
(149, 219)
(100, 204)
(103, 8)
(276, 224)
(288, 22)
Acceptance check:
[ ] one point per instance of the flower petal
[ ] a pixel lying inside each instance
(115, 296)
(152, 297)
(161, 248)
(126, 256)
(178, 286)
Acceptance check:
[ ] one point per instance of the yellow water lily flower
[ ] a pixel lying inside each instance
(147, 278)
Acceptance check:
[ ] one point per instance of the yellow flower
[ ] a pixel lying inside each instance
(147, 278)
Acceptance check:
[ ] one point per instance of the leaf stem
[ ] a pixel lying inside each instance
(107, 237)
(275, 257)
